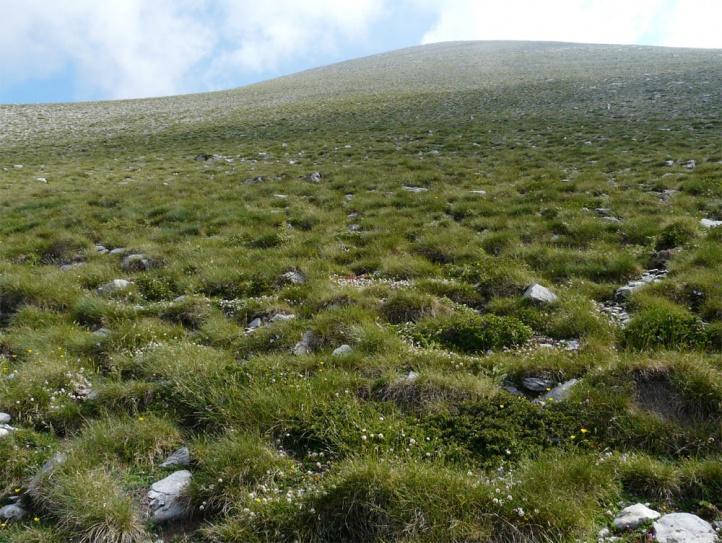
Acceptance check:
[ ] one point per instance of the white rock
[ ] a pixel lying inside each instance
(683, 528)
(412, 376)
(710, 223)
(5, 418)
(179, 457)
(168, 498)
(342, 350)
(304, 346)
(12, 512)
(282, 317)
(558, 393)
(116, 285)
(136, 262)
(5, 430)
(118, 251)
(254, 324)
(294, 277)
(408, 188)
(540, 294)
(633, 516)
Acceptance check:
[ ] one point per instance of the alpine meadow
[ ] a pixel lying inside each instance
(461, 292)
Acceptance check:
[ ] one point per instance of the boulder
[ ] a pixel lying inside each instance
(342, 350)
(5, 418)
(12, 513)
(179, 457)
(168, 499)
(683, 528)
(540, 294)
(633, 516)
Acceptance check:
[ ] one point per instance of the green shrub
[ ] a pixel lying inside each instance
(408, 306)
(674, 235)
(471, 333)
(664, 326)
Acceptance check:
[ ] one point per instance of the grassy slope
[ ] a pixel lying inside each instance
(549, 131)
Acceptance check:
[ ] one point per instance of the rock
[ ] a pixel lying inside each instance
(116, 285)
(203, 157)
(102, 332)
(101, 249)
(5, 418)
(41, 179)
(669, 163)
(304, 346)
(118, 251)
(412, 376)
(408, 188)
(56, 460)
(136, 262)
(479, 192)
(683, 528)
(282, 317)
(168, 498)
(12, 513)
(558, 393)
(5, 430)
(691, 164)
(634, 515)
(537, 384)
(540, 294)
(179, 457)
(294, 277)
(254, 324)
(71, 266)
(315, 177)
(342, 350)
(710, 223)
(614, 220)
(354, 227)
(717, 525)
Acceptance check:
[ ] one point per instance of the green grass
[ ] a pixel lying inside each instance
(315, 447)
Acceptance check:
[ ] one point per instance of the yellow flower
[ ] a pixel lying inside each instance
(572, 437)
(36, 519)
(584, 430)
(141, 419)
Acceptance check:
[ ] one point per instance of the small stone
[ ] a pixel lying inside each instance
(691, 164)
(101, 249)
(683, 528)
(540, 294)
(12, 513)
(479, 192)
(412, 376)
(168, 498)
(118, 251)
(5, 418)
(342, 350)
(72, 266)
(537, 384)
(315, 177)
(179, 457)
(102, 332)
(633, 516)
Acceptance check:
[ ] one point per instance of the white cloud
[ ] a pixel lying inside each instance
(132, 48)
(688, 23)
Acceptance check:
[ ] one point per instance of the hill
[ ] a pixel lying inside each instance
(459, 292)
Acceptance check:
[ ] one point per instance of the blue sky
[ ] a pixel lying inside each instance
(57, 50)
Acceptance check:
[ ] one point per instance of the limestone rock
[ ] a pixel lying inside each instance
(540, 294)
(683, 528)
(634, 515)
(342, 350)
(179, 457)
(12, 513)
(168, 498)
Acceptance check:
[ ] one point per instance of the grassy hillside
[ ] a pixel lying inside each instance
(180, 272)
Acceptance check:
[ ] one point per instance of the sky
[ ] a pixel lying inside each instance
(71, 50)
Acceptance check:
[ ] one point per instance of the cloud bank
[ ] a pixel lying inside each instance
(678, 23)
(136, 48)
(132, 48)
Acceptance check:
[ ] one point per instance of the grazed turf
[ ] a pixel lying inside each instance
(323, 448)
